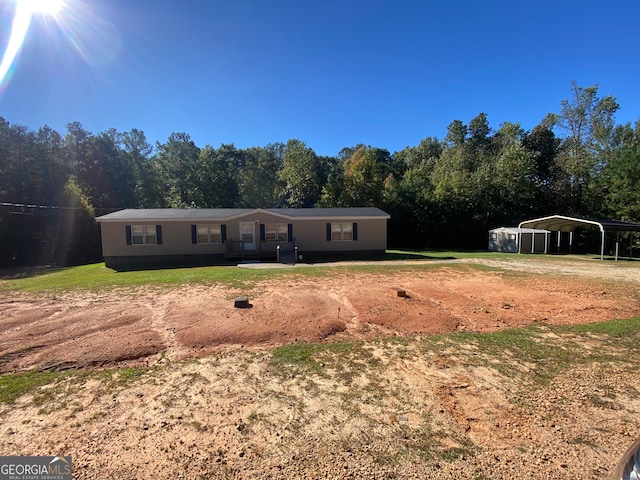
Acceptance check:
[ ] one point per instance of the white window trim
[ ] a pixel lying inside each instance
(276, 232)
(342, 231)
(209, 241)
(145, 233)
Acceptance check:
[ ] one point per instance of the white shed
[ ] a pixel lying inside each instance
(506, 239)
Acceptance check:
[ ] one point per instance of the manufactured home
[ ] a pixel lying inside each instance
(148, 237)
(515, 240)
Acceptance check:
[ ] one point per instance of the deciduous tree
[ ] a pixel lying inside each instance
(300, 173)
(216, 185)
(258, 181)
(177, 159)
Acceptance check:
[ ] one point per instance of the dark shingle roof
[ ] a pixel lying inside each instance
(329, 212)
(173, 213)
(155, 214)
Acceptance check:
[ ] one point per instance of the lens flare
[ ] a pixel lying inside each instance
(19, 28)
(89, 31)
(48, 7)
(24, 12)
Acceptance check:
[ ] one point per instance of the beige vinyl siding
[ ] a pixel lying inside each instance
(310, 235)
(176, 240)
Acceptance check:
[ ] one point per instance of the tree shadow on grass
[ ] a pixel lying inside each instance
(372, 256)
(16, 273)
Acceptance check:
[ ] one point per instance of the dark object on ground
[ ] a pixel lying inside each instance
(241, 302)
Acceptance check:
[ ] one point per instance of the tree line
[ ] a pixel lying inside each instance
(442, 193)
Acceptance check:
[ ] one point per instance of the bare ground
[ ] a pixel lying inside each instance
(212, 403)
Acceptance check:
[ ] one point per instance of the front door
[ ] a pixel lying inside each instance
(248, 235)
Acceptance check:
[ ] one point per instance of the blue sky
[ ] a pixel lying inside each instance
(331, 73)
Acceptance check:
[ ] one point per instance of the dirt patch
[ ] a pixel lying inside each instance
(390, 405)
(86, 329)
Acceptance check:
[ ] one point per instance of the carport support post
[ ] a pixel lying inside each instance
(617, 244)
(546, 242)
(533, 241)
(570, 242)
(559, 233)
(602, 246)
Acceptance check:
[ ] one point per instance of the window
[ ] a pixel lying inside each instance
(512, 238)
(493, 237)
(276, 232)
(342, 232)
(209, 233)
(144, 235)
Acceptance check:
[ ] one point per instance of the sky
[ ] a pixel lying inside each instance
(334, 74)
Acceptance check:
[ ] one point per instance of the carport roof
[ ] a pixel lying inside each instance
(563, 223)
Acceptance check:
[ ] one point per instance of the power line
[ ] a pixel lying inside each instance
(32, 206)
(52, 207)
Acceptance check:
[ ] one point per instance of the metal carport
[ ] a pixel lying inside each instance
(561, 223)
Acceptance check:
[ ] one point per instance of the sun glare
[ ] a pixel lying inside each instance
(48, 7)
(25, 9)
(94, 37)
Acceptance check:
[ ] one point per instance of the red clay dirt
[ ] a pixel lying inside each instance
(379, 409)
(80, 330)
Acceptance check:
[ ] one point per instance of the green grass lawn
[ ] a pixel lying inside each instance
(97, 276)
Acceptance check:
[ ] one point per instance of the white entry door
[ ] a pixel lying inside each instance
(248, 235)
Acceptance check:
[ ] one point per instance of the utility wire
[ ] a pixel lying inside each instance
(26, 205)
(51, 207)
